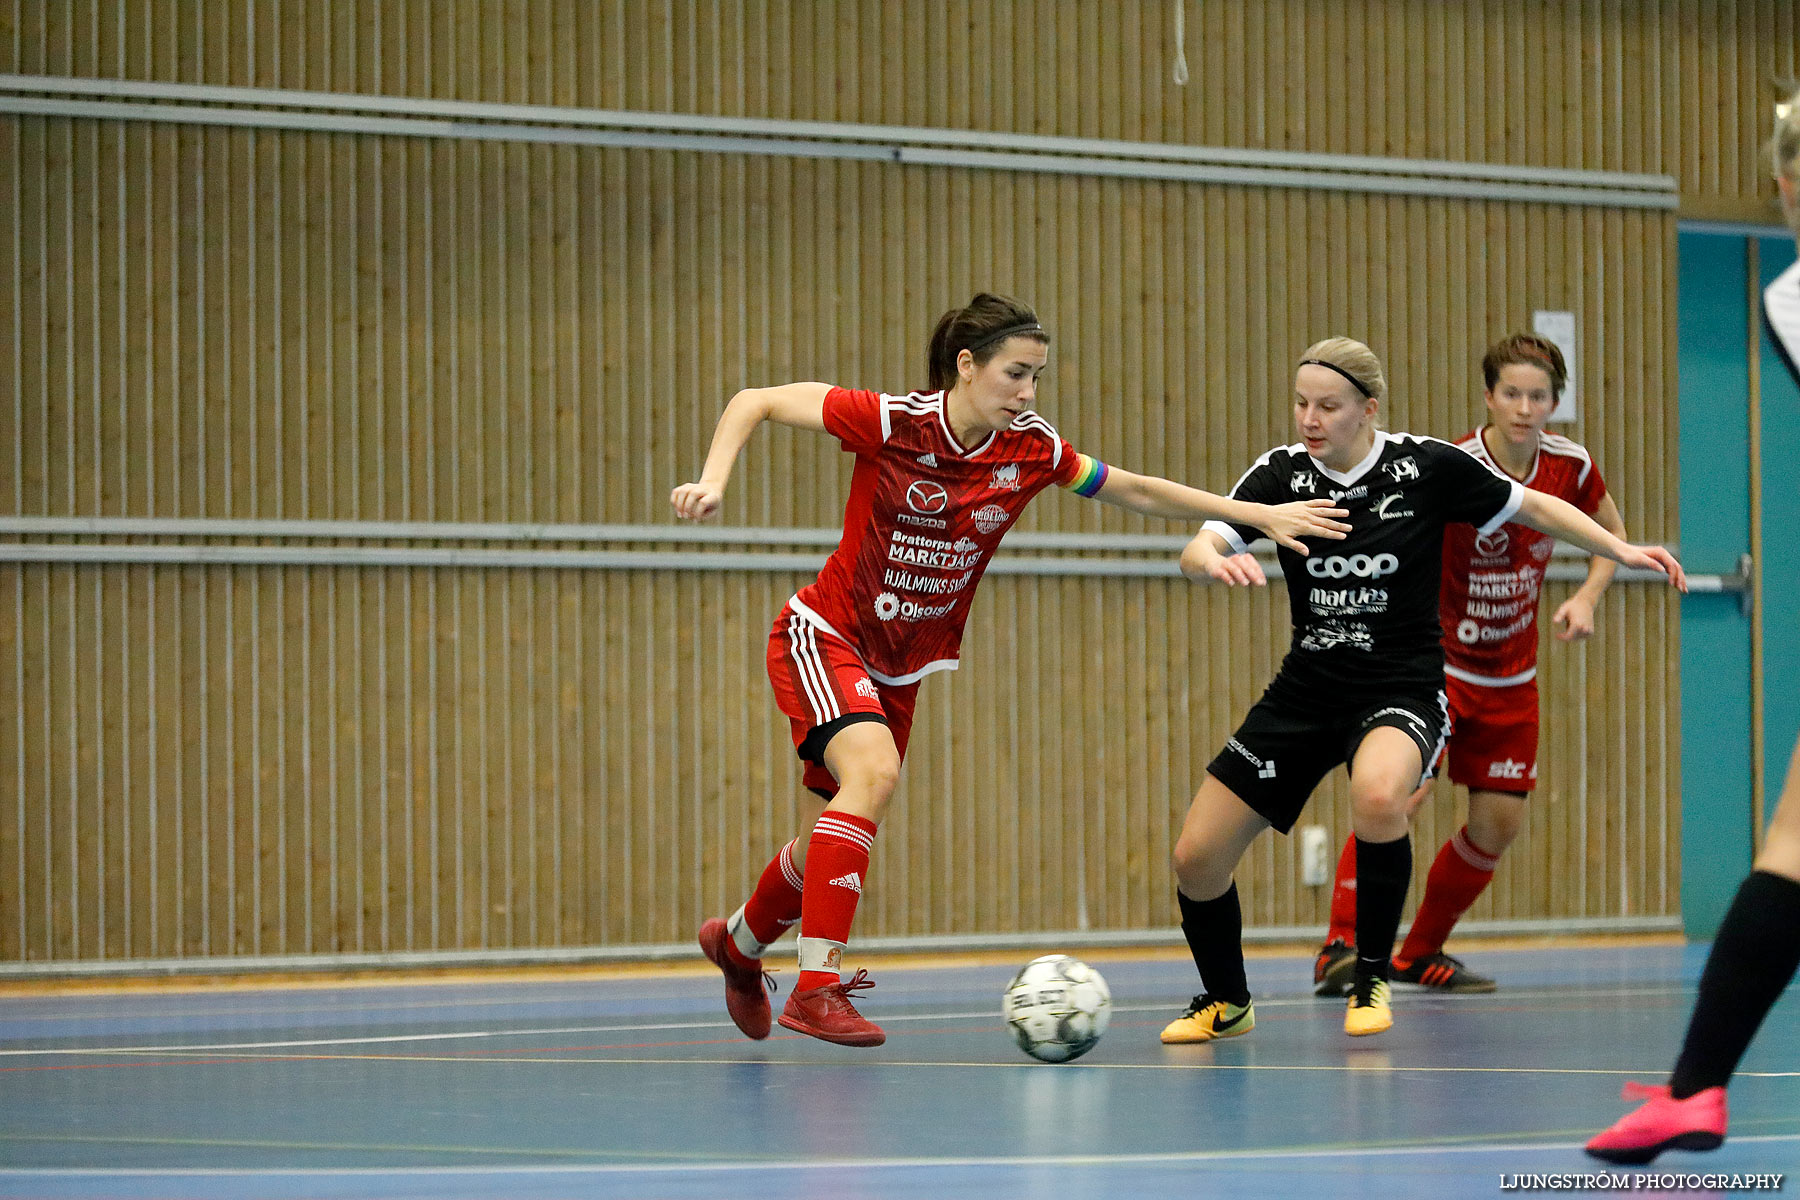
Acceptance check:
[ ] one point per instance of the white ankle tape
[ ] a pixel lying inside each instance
(741, 937)
(820, 954)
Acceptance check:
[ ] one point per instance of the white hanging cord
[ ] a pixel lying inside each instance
(1181, 71)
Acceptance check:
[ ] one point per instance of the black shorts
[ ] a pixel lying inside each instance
(1284, 747)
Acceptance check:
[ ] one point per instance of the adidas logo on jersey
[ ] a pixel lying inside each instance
(928, 458)
(853, 881)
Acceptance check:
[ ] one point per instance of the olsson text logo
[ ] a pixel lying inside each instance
(1363, 566)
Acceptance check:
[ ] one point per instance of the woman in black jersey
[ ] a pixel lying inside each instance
(1362, 682)
(1758, 946)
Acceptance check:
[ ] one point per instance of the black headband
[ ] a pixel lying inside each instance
(1359, 384)
(1009, 331)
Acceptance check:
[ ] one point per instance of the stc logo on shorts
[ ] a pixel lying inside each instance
(1363, 566)
(926, 497)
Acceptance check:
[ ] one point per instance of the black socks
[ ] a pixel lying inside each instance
(1752, 960)
(1383, 870)
(1215, 935)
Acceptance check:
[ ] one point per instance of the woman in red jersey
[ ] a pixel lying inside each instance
(940, 476)
(1488, 608)
(1758, 946)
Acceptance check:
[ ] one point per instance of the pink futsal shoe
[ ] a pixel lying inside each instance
(826, 1013)
(1663, 1123)
(744, 998)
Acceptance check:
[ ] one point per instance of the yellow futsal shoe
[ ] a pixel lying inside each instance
(1369, 1010)
(1208, 1019)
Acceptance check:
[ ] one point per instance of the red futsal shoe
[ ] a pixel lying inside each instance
(744, 998)
(826, 1013)
(1663, 1123)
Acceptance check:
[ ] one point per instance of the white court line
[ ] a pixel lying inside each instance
(1021, 1065)
(1179, 1157)
(897, 1018)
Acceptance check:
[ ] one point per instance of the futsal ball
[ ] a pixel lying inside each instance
(1057, 1007)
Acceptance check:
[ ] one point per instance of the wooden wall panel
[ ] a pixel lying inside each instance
(218, 323)
(492, 759)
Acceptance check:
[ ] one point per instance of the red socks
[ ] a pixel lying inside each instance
(837, 859)
(1343, 897)
(1459, 875)
(772, 908)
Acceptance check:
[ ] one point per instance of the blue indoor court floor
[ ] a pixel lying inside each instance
(633, 1083)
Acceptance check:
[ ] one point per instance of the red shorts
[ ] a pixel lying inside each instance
(1493, 735)
(822, 685)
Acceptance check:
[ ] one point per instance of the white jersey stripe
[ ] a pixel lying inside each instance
(1492, 681)
(1555, 443)
(1036, 424)
(1506, 513)
(1236, 544)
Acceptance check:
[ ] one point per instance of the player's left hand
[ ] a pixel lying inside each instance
(1288, 523)
(1576, 616)
(1655, 558)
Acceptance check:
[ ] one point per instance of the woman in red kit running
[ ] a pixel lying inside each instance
(1488, 608)
(940, 476)
(1758, 946)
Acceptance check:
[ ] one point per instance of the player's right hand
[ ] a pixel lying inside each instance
(1237, 570)
(1288, 523)
(696, 501)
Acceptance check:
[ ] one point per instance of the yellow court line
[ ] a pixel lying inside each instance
(1171, 951)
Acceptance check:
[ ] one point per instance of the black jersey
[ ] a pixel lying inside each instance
(1365, 609)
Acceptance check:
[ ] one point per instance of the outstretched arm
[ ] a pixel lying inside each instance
(1564, 521)
(1576, 614)
(1286, 523)
(801, 405)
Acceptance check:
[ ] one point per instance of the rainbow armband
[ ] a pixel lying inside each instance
(1090, 476)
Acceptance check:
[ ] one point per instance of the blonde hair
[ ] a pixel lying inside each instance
(1784, 143)
(1354, 359)
(1784, 157)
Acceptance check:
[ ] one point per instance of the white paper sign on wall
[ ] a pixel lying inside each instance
(1559, 327)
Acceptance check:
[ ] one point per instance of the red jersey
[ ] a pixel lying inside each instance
(924, 517)
(1489, 600)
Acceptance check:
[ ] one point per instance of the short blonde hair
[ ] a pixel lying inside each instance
(1784, 143)
(1351, 358)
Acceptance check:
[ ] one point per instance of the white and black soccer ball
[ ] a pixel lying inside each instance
(1056, 1007)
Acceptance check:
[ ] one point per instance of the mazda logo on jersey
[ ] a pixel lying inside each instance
(1492, 545)
(1363, 566)
(923, 496)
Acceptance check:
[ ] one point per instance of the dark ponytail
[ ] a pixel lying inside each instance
(981, 327)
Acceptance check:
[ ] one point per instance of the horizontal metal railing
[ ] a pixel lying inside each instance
(1064, 554)
(405, 116)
